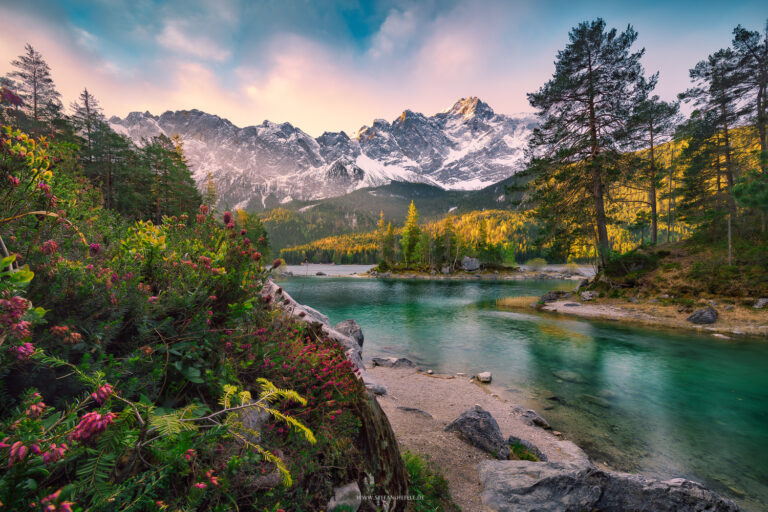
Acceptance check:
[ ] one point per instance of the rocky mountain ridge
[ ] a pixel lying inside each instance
(465, 147)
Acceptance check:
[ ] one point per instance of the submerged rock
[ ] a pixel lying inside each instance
(347, 496)
(531, 417)
(480, 429)
(568, 376)
(512, 486)
(703, 316)
(351, 328)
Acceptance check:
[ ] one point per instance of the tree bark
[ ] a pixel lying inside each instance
(652, 195)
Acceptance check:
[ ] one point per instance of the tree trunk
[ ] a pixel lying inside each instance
(652, 195)
(730, 242)
(597, 181)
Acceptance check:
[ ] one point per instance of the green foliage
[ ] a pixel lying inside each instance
(536, 264)
(518, 451)
(427, 484)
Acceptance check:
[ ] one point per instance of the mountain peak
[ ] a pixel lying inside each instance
(471, 107)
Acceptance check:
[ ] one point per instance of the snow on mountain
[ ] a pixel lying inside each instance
(465, 147)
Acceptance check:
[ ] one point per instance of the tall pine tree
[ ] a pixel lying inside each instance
(752, 51)
(583, 111)
(35, 85)
(411, 235)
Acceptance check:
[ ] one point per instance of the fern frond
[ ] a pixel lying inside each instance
(170, 424)
(271, 393)
(269, 457)
(293, 422)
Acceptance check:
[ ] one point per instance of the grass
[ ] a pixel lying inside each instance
(426, 482)
(518, 451)
(517, 302)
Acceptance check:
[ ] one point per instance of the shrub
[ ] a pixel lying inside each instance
(536, 264)
(427, 484)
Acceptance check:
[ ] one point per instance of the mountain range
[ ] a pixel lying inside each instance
(466, 147)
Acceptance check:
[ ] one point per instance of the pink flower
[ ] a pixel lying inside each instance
(36, 410)
(191, 454)
(54, 453)
(101, 394)
(227, 218)
(24, 352)
(14, 181)
(201, 485)
(153, 299)
(49, 247)
(95, 248)
(91, 424)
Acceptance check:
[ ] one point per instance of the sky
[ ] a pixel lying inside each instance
(330, 65)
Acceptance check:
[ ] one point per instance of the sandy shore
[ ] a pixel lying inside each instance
(419, 406)
(737, 321)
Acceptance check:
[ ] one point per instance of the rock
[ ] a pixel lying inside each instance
(376, 389)
(761, 303)
(470, 264)
(393, 362)
(430, 372)
(320, 273)
(552, 296)
(684, 309)
(446, 270)
(461, 374)
(568, 376)
(433, 272)
(351, 328)
(347, 496)
(484, 377)
(572, 304)
(531, 417)
(528, 446)
(703, 316)
(589, 295)
(414, 410)
(664, 296)
(597, 400)
(728, 307)
(566, 487)
(386, 275)
(633, 300)
(477, 426)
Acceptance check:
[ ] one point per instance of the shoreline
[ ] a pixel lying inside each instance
(731, 324)
(516, 275)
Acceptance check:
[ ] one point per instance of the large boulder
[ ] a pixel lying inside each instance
(477, 426)
(512, 486)
(552, 296)
(703, 316)
(351, 328)
(470, 264)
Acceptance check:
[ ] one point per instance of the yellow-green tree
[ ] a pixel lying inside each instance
(411, 234)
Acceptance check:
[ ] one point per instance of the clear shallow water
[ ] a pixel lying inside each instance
(667, 404)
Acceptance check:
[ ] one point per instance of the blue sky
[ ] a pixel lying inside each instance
(337, 64)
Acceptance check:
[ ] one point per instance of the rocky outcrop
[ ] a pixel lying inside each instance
(477, 426)
(350, 328)
(703, 316)
(516, 486)
(377, 443)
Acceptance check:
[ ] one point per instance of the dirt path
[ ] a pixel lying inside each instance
(438, 400)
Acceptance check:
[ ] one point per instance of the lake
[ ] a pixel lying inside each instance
(662, 403)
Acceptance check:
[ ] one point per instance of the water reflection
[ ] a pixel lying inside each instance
(664, 403)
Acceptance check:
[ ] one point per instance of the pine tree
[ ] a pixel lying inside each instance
(653, 121)
(381, 229)
(389, 244)
(35, 84)
(210, 193)
(411, 234)
(583, 112)
(752, 51)
(87, 116)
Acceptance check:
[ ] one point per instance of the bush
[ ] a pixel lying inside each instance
(536, 264)
(427, 483)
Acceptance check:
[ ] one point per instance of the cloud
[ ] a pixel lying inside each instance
(395, 33)
(175, 36)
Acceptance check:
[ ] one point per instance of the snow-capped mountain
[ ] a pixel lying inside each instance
(465, 147)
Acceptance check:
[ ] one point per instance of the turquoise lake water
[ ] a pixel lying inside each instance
(666, 404)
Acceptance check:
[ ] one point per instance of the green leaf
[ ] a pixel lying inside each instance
(5, 262)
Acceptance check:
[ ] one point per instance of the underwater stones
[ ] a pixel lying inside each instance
(531, 417)
(569, 376)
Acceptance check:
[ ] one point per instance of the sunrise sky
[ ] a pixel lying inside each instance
(333, 65)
